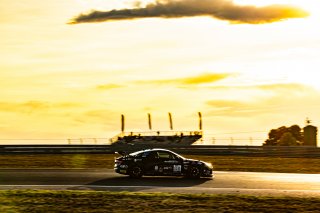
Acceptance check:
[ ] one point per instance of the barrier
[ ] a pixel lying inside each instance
(52, 149)
(263, 151)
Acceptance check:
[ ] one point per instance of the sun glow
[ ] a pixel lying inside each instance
(293, 178)
(311, 6)
(84, 76)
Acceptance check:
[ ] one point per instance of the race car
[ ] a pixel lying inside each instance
(160, 162)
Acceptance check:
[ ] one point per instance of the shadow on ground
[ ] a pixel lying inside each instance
(132, 184)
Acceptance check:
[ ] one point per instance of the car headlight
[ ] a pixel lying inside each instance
(123, 166)
(209, 165)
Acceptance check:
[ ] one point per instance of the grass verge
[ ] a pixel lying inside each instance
(91, 201)
(222, 163)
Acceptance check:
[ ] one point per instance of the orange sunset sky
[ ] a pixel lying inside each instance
(69, 69)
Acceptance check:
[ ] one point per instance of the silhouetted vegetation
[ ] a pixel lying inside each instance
(104, 201)
(285, 136)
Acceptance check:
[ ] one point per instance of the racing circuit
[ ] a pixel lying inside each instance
(252, 183)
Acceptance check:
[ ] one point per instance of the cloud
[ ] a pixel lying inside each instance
(220, 9)
(34, 106)
(225, 103)
(108, 86)
(95, 116)
(231, 108)
(284, 98)
(278, 87)
(195, 80)
(282, 87)
(204, 78)
(26, 107)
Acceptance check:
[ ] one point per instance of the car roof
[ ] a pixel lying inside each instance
(157, 149)
(152, 150)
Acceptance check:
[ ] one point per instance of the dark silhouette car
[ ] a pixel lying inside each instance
(160, 162)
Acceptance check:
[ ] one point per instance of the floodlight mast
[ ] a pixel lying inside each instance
(122, 123)
(170, 121)
(200, 121)
(149, 121)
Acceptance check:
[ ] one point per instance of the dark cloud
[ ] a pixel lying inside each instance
(220, 9)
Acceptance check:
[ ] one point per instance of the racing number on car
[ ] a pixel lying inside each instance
(176, 168)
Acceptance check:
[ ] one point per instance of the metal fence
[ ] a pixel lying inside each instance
(253, 151)
(68, 141)
(224, 141)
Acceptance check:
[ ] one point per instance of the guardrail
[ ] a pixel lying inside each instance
(52, 149)
(276, 151)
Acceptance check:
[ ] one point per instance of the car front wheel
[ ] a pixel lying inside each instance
(194, 172)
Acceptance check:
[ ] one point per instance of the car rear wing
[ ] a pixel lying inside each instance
(122, 153)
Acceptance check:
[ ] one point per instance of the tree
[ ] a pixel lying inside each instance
(287, 139)
(296, 132)
(285, 136)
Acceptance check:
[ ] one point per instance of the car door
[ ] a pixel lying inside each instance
(169, 164)
(151, 163)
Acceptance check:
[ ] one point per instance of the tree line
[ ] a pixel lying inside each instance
(285, 136)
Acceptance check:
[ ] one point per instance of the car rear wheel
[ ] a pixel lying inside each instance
(136, 172)
(194, 172)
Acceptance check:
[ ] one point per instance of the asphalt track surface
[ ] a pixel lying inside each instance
(252, 183)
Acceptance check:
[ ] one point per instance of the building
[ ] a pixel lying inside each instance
(310, 135)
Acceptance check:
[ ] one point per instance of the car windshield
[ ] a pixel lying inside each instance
(170, 155)
(179, 156)
(134, 154)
